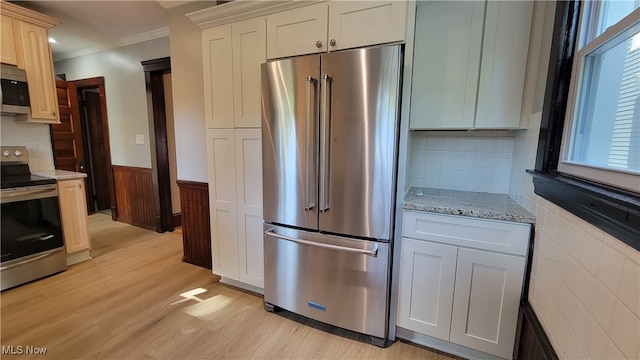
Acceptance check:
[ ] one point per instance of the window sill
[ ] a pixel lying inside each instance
(613, 211)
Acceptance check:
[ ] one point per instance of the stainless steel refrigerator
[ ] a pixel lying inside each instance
(329, 135)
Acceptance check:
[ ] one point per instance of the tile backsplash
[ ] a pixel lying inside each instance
(469, 161)
(32, 135)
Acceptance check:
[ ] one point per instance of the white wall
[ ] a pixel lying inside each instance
(126, 94)
(584, 283)
(188, 99)
(32, 135)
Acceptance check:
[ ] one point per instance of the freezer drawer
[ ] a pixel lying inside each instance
(335, 280)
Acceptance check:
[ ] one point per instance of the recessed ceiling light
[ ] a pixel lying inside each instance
(52, 40)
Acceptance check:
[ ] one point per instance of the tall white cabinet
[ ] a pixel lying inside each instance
(232, 55)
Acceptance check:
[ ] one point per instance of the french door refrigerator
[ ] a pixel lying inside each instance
(329, 134)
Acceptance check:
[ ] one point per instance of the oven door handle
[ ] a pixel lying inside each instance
(47, 254)
(28, 194)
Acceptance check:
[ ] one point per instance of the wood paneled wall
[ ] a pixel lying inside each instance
(134, 196)
(534, 343)
(196, 228)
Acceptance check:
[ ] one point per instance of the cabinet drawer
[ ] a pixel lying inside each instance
(492, 235)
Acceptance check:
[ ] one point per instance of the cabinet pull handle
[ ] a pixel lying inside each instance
(332, 42)
(318, 44)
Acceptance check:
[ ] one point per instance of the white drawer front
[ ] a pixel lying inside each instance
(492, 235)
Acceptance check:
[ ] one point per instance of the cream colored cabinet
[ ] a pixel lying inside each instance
(335, 25)
(73, 215)
(461, 280)
(7, 44)
(38, 64)
(232, 55)
(235, 198)
(470, 61)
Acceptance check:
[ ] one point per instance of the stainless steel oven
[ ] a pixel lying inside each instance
(31, 239)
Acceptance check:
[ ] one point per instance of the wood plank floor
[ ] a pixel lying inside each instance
(136, 300)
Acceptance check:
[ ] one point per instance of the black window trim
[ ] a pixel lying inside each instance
(612, 210)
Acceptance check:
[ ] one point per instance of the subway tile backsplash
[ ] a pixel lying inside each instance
(34, 136)
(468, 161)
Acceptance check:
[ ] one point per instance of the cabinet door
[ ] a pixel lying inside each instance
(222, 202)
(73, 215)
(38, 64)
(249, 197)
(7, 42)
(297, 31)
(361, 23)
(485, 306)
(249, 51)
(217, 60)
(427, 276)
(504, 63)
(446, 64)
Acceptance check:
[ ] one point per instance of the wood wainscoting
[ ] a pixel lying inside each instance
(134, 196)
(534, 343)
(196, 227)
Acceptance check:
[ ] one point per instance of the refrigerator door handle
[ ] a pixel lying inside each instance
(325, 146)
(373, 252)
(310, 148)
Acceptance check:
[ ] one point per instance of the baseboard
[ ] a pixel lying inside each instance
(177, 220)
(197, 262)
(443, 346)
(243, 286)
(78, 257)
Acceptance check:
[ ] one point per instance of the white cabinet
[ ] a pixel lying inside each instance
(73, 215)
(335, 25)
(427, 277)
(232, 56)
(235, 198)
(466, 77)
(461, 280)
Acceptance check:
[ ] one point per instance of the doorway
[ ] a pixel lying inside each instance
(81, 142)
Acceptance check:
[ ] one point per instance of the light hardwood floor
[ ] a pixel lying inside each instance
(136, 300)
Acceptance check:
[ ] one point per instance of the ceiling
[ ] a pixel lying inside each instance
(89, 26)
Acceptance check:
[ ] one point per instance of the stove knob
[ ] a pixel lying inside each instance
(6, 153)
(17, 153)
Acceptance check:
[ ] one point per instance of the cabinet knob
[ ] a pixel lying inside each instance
(318, 44)
(332, 42)
(53, 113)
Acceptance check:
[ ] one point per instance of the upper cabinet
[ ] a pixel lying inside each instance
(7, 43)
(232, 55)
(464, 77)
(26, 32)
(335, 25)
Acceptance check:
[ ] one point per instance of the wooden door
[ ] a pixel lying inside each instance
(427, 277)
(100, 168)
(67, 136)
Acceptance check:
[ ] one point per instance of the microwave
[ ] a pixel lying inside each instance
(14, 92)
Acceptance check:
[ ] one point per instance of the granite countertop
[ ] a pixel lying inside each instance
(60, 174)
(467, 203)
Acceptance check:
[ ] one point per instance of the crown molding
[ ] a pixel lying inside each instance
(129, 40)
(170, 4)
(240, 10)
(30, 16)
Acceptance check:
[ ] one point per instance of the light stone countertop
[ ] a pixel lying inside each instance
(467, 203)
(60, 174)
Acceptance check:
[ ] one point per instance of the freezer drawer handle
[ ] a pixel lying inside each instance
(373, 252)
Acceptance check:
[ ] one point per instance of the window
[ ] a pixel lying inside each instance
(587, 161)
(601, 139)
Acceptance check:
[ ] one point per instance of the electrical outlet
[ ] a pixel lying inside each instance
(140, 139)
(457, 162)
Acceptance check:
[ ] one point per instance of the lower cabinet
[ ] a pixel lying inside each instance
(457, 291)
(73, 215)
(235, 200)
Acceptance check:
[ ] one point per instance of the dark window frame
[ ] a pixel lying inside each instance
(613, 210)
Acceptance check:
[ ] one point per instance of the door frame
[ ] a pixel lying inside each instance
(98, 83)
(154, 83)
